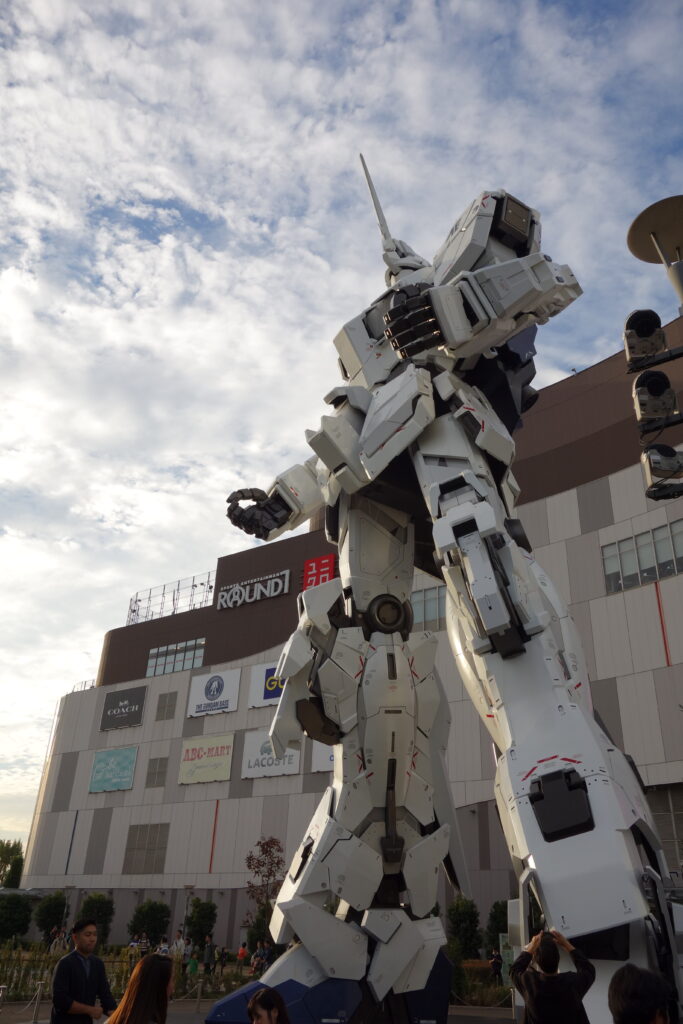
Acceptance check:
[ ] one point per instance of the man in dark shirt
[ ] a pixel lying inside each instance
(80, 980)
(551, 997)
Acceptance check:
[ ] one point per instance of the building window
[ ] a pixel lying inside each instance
(666, 804)
(429, 608)
(166, 706)
(176, 657)
(145, 850)
(156, 772)
(649, 556)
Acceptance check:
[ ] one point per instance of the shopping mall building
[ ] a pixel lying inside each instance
(160, 778)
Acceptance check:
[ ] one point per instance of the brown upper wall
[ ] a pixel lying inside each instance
(584, 427)
(230, 633)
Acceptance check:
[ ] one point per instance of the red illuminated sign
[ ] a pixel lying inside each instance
(318, 570)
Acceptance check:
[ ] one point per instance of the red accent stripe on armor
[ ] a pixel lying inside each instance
(529, 773)
(542, 760)
(572, 760)
(662, 623)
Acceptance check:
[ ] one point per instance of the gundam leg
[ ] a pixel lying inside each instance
(360, 891)
(575, 818)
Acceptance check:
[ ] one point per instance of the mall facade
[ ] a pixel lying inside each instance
(160, 778)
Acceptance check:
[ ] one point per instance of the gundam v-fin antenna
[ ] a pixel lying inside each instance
(397, 255)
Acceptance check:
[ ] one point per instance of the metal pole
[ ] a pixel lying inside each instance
(199, 994)
(39, 999)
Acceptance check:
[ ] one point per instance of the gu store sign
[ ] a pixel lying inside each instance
(236, 594)
(123, 708)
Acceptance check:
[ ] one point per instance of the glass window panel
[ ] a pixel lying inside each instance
(159, 670)
(188, 661)
(610, 564)
(442, 605)
(629, 566)
(677, 796)
(645, 551)
(677, 536)
(664, 551)
(198, 658)
(431, 606)
(178, 662)
(418, 602)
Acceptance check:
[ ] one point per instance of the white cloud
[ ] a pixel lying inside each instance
(185, 227)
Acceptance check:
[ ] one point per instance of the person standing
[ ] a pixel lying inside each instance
(178, 946)
(638, 996)
(551, 997)
(209, 955)
(496, 965)
(79, 981)
(144, 945)
(145, 1000)
(242, 954)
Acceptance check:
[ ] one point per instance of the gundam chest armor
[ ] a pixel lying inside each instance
(412, 467)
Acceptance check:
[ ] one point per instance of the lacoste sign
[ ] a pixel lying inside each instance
(236, 594)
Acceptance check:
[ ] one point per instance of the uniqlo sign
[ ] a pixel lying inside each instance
(318, 570)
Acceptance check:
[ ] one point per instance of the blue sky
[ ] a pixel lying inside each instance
(185, 226)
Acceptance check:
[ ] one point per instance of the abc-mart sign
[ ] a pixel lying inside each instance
(234, 595)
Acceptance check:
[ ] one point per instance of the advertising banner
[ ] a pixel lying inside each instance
(322, 757)
(265, 688)
(259, 760)
(113, 769)
(234, 595)
(123, 708)
(206, 759)
(214, 693)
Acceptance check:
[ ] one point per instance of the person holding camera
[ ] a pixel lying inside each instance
(552, 996)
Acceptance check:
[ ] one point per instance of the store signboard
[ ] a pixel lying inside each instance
(206, 759)
(322, 757)
(113, 769)
(259, 760)
(213, 693)
(123, 708)
(318, 570)
(234, 595)
(265, 687)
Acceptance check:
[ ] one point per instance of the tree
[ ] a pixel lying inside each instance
(266, 863)
(51, 912)
(497, 924)
(463, 925)
(201, 920)
(151, 917)
(9, 849)
(101, 909)
(13, 876)
(15, 915)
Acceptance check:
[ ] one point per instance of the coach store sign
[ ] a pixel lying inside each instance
(259, 760)
(215, 692)
(234, 595)
(123, 708)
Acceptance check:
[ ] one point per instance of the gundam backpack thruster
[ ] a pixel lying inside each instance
(412, 467)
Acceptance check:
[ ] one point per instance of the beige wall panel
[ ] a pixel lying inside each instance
(80, 797)
(534, 516)
(671, 591)
(563, 516)
(448, 673)
(116, 847)
(181, 817)
(612, 534)
(665, 774)
(249, 825)
(628, 492)
(644, 629)
(648, 521)
(278, 785)
(478, 791)
(610, 637)
(669, 687)
(584, 559)
(80, 843)
(59, 846)
(639, 718)
(581, 615)
(464, 747)
(554, 560)
(199, 840)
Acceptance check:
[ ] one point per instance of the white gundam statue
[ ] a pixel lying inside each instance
(413, 468)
